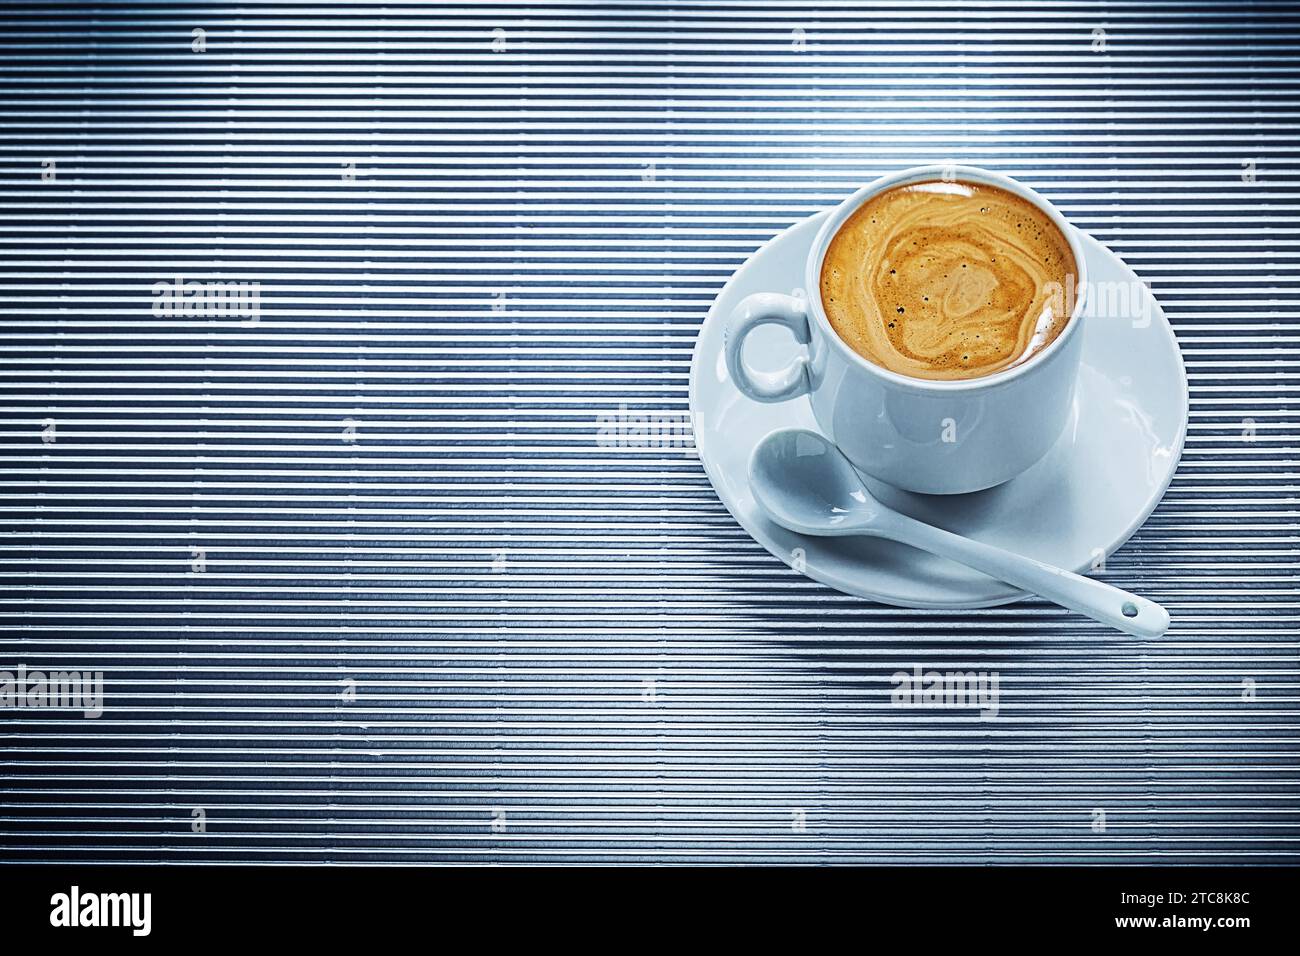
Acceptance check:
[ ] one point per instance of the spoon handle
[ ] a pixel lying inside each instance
(1098, 600)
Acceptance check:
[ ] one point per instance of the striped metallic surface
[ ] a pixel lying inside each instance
(367, 579)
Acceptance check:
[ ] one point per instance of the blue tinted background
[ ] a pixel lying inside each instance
(365, 579)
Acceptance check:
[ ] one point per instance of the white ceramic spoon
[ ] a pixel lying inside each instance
(806, 484)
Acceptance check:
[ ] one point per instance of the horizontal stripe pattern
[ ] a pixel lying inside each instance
(374, 573)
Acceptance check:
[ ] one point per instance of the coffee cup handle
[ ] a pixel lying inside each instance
(768, 308)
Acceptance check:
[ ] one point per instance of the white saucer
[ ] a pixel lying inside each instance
(1084, 499)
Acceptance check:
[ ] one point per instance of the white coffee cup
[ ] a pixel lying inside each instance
(924, 435)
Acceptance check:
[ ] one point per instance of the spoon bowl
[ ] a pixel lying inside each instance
(832, 499)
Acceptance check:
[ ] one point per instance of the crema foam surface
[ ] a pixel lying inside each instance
(948, 280)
